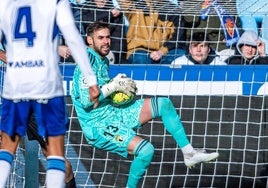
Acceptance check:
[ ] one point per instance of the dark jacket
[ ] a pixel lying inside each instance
(247, 38)
(237, 59)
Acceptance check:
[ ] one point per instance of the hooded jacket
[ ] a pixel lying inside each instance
(247, 38)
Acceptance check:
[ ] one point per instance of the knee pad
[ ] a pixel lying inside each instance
(144, 151)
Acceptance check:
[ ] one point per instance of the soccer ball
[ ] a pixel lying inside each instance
(120, 98)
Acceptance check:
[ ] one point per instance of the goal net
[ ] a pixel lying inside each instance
(223, 109)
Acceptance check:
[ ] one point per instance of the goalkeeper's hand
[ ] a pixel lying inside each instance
(119, 83)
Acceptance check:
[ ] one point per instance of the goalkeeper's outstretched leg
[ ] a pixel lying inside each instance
(143, 150)
(163, 107)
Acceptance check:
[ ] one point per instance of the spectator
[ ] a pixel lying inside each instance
(155, 34)
(76, 6)
(112, 128)
(199, 53)
(209, 22)
(250, 50)
(105, 11)
(63, 51)
(253, 16)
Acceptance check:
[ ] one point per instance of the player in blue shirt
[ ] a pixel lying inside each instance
(112, 128)
(33, 82)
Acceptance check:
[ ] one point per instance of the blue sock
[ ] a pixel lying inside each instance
(6, 159)
(163, 107)
(143, 153)
(55, 171)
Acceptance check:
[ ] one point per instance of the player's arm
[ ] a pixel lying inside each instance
(74, 40)
(76, 44)
(63, 52)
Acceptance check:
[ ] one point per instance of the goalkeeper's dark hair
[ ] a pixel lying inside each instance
(92, 27)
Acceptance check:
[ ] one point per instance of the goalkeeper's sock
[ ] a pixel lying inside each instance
(163, 107)
(187, 149)
(143, 153)
(55, 172)
(6, 159)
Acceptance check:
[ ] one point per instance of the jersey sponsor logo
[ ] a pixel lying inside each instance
(28, 64)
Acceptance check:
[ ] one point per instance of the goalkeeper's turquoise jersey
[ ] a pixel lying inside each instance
(105, 127)
(80, 86)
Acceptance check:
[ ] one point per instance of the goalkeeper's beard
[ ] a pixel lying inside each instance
(103, 50)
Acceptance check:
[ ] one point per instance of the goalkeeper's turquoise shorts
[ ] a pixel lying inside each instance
(113, 128)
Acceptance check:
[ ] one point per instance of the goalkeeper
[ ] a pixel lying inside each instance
(112, 128)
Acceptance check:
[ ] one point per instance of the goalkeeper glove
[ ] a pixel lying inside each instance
(119, 83)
